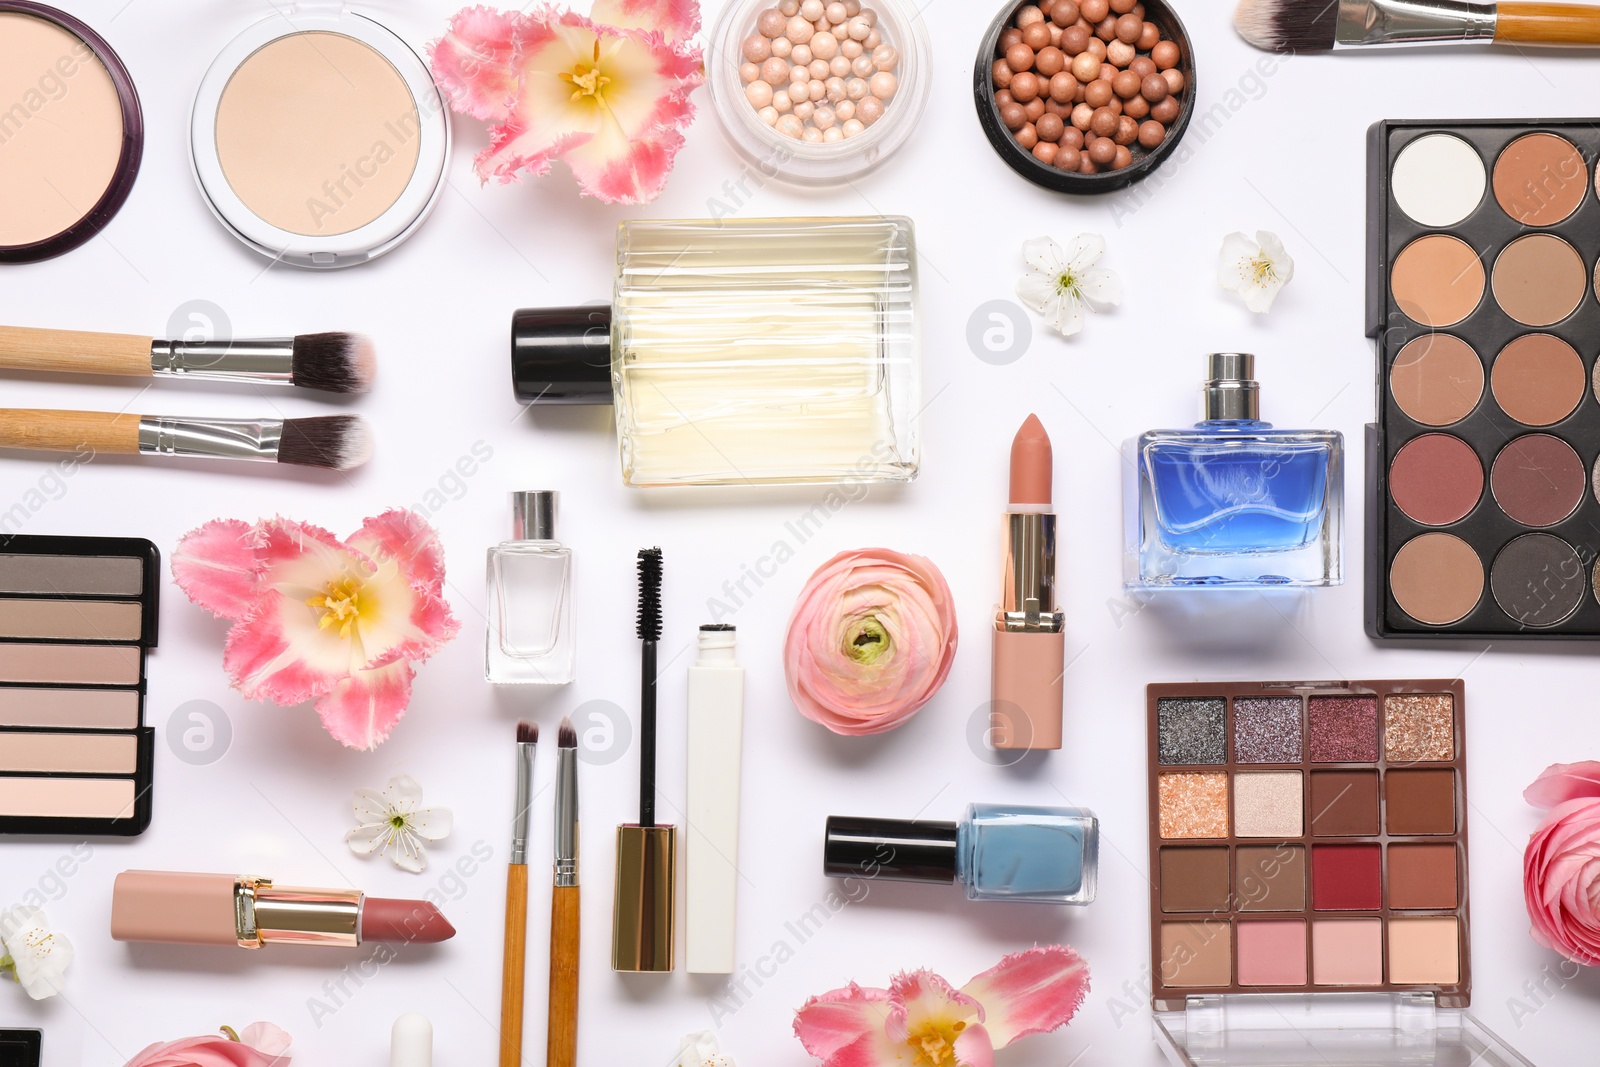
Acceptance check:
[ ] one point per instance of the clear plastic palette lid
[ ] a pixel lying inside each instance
(1328, 1030)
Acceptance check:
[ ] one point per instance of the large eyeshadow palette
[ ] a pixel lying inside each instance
(1308, 837)
(77, 617)
(1484, 494)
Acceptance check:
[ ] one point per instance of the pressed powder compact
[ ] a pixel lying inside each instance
(1481, 299)
(71, 133)
(319, 138)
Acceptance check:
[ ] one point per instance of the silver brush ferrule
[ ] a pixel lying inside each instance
(269, 361)
(566, 873)
(1364, 22)
(255, 439)
(519, 822)
(1028, 595)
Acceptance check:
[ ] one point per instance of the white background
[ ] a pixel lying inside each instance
(1291, 160)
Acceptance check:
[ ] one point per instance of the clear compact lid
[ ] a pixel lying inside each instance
(1328, 1030)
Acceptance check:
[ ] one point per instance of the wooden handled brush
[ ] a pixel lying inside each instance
(1321, 25)
(336, 442)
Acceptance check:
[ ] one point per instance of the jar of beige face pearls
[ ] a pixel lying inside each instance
(818, 91)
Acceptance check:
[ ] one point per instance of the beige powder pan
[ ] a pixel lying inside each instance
(71, 133)
(320, 139)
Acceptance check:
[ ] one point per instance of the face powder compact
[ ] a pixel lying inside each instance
(320, 139)
(71, 132)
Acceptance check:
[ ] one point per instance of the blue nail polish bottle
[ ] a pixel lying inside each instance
(997, 852)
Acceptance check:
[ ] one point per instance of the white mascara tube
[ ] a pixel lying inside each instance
(716, 738)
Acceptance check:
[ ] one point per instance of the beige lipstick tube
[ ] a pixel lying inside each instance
(1029, 643)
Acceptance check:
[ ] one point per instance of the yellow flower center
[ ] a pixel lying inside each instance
(587, 79)
(1262, 270)
(934, 1043)
(340, 604)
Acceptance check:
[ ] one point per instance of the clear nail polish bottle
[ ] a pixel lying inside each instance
(531, 640)
(1233, 501)
(744, 351)
(997, 852)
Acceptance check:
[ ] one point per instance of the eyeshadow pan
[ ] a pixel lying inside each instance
(1268, 804)
(108, 576)
(1193, 805)
(71, 664)
(1347, 877)
(1436, 479)
(1539, 279)
(90, 709)
(1538, 480)
(1437, 280)
(1197, 954)
(1194, 879)
(1438, 179)
(1266, 730)
(1347, 952)
(1423, 877)
(1538, 379)
(1437, 379)
(1344, 803)
(1436, 578)
(1424, 951)
(1419, 728)
(1192, 731)
(1538, 579)
(1272, 952)
(1420, 802)
(1344, 729)
(1270, 877)
(1540, 179)
(82, 620)
(49, 753)
(67, 798)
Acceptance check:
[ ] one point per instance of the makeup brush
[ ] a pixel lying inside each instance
(337, 442)
(330, 362)
(1320, 25)
(645, 901)
(561, 1050)
(514, 962)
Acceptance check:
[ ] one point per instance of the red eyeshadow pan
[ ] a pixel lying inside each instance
(1346, 877)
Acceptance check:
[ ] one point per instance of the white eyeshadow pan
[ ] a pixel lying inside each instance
(1439, 179)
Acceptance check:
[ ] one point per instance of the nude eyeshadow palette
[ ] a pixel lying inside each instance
(77, 617)
(1308, 837)
(1484, 513)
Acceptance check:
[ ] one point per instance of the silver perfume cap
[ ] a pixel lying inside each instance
(533, 515)
(1231, 391)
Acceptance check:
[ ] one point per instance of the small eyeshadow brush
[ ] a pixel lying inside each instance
(330, 362)
(562, 1043)
(1322, 25)
(336, 442)
(514, 962)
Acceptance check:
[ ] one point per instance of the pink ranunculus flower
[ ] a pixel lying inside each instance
(871, 640)
(607, 94)
(922, 1019)
(257, 1045)
(317, 618)
(1561, 868)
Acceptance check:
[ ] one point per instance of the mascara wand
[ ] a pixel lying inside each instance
(649, 629)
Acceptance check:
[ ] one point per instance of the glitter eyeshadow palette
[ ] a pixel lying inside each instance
(1308, 837)
(77, 617)
(1484, 518)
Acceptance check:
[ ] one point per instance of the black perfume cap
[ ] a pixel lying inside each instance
(900, 850)
(562, 355)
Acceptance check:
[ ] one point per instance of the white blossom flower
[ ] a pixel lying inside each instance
(1256, 270)
(1060, 284)
(36, 955)
(394, 819)
(701, 1050)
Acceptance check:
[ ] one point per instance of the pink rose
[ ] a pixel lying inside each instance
(1561, 869)
(871, 640)
(257, 1045)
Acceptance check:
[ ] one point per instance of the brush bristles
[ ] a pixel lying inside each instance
(1288, 25)
(649, 625)
(336, 442)
(527, 733)
(567, 736)
(334, 362)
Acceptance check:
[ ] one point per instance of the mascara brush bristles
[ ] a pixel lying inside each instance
(649, 620)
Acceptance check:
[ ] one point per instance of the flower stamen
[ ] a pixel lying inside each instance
(588, 80)
(340, 604)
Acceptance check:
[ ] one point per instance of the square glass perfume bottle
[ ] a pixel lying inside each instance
(531, 641)
(1234, 501)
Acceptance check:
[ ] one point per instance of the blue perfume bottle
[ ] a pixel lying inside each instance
(1234, 501)
(996, 852)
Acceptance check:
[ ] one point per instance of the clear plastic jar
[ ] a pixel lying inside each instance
(775, 155)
